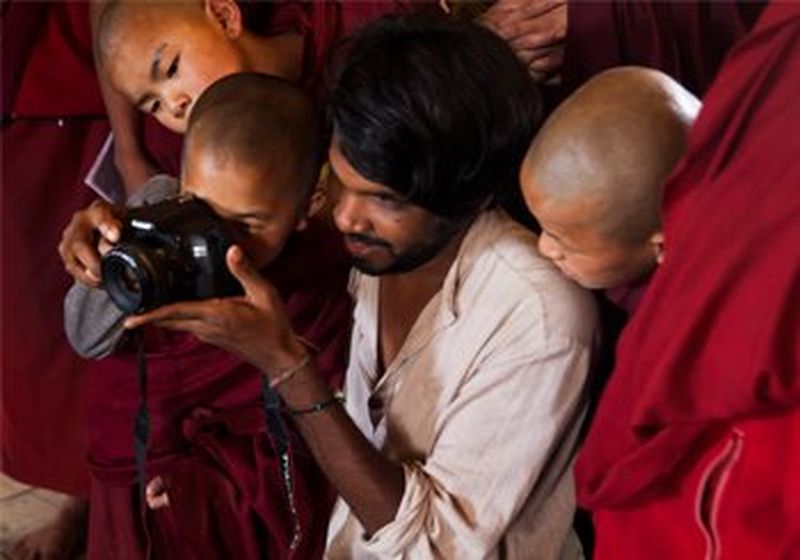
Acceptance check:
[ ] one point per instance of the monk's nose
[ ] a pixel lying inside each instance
(179, 106)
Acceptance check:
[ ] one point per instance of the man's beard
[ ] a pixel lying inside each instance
(411, 258)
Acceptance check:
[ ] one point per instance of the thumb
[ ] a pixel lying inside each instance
(254, 285)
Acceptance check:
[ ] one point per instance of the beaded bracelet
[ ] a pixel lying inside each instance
(317, 406)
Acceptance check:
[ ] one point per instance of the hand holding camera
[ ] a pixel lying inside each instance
(145, 257)
(253, 326)
(170, 251)
(177, 250)
(89, 235)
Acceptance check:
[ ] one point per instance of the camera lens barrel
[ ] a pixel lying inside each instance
(133, 278)
(173, 250)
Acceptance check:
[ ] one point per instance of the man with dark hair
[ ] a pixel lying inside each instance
(469, 351)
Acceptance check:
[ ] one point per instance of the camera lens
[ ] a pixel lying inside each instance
(133, 277)
(131, 281)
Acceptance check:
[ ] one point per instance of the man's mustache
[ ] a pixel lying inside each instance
(367, 240)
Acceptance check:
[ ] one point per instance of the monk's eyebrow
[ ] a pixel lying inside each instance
(156, 62)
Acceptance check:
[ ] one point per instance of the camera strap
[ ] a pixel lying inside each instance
(141, 423)
(275, 426)
(279, 435)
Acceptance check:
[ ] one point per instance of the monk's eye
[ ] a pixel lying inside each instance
(173, 67)
(154, 106)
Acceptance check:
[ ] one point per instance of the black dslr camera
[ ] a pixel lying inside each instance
(170, 251)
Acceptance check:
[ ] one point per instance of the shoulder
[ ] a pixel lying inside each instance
(528, 287)
(155, 189)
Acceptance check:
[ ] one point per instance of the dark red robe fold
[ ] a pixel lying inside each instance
(53, 125)
(686, 39)
(208, 436)
(697, 437)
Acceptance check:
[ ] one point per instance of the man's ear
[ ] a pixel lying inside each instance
(227, 15)
(657, 243)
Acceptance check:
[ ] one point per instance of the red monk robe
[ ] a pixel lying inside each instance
(686, 39)
(695, 449)
(53, 125)
(208, 438)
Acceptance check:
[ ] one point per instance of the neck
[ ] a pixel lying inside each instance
(279, 55)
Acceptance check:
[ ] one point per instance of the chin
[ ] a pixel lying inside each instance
(583, 282)
(590, 285)
(370, 267)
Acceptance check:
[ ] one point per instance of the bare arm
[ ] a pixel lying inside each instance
(130, 154)
(370, 484)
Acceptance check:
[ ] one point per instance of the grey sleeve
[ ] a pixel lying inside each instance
(92, 323)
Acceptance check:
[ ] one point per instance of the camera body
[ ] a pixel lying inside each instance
(170, 251)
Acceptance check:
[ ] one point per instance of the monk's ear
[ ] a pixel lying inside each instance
(657, 243)
(302, 223)
(308, 208)
(227, 15)
(319, 202)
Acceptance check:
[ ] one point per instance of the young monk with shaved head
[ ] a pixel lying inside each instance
(695, 448)
(208, 446)
(157, 57)
(593, 175)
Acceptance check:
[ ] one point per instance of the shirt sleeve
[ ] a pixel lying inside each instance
(92, 322)
(506, 439)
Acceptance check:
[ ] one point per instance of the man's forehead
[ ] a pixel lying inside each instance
(349, 176)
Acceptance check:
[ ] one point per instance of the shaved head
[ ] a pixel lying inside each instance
(252, 152)
(610, 146)
(118, 15)
(261, 122)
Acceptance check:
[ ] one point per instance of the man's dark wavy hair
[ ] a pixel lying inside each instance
(439, 110)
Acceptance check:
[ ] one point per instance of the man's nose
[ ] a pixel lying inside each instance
(348, 214)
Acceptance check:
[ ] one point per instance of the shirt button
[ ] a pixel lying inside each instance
(375, 402)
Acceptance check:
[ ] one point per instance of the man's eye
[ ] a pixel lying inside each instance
(154, 106)
(389, 201)
(173, 67)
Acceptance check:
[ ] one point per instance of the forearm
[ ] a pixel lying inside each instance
(371, 484)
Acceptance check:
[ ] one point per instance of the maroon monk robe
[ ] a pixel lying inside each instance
(696, 443)
(687, 39)
(53, 125)
(208, 437)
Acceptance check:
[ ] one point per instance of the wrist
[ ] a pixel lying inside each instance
(304, 389)
(288, 356)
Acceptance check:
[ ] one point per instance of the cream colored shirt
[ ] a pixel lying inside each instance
(481, 406)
